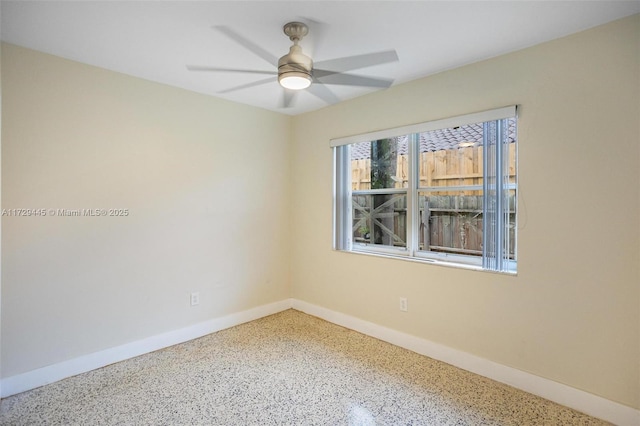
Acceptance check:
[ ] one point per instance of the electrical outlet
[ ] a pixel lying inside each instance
(404, 307)
(195, 299)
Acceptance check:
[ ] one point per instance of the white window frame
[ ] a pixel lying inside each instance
(342, 195)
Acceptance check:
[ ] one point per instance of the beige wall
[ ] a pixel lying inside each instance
(573, 312)
(205, 181)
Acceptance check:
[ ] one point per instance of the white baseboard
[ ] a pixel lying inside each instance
(585, 402)
(52, 373)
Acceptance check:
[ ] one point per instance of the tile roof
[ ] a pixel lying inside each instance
(437, 140)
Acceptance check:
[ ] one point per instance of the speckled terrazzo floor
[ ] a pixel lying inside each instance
(285, 369)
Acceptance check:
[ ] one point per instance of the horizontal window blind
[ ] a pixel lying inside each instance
(461, 120)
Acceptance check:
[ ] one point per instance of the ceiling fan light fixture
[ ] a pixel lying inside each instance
(294, 68)
(294, 80)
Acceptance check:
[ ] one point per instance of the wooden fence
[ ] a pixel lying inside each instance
(452, 167)
(450, 221)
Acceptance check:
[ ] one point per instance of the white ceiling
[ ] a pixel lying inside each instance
(155, 40)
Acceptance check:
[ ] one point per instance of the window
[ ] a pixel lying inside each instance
(442, 191)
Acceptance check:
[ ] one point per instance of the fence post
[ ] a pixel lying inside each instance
(426, 226)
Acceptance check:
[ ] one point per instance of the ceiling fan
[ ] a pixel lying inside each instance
(296, 71)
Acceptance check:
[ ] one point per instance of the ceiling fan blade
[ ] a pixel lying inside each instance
(271, 59)
(360, 61)
(246, 86)
(321, 91)
(349, 79)
(215, 69)
(288, 96)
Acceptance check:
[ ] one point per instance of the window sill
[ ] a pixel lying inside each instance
(447, 264)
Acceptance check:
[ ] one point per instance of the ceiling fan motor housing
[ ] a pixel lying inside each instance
(295, 61)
